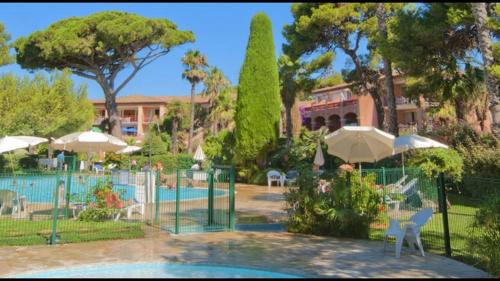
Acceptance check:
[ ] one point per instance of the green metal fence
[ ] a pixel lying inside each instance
(63, 206)
(204, 200)
(450, 230)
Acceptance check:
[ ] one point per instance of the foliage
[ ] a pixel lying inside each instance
(258, 103)
(5, 57)
(103, 202)
(222, 113)
(99, 47)
(487, 220)
(434, 46)
(43, 106)
(220, 148)
(433, 161)
(345, 211)
(156, 142)
(18, 161)
(168, 161)
(329, 81)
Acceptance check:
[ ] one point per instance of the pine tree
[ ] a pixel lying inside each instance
(258, 104)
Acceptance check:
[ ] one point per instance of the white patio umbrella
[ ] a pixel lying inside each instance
(89, 142)
(127, 150)
(405, 143)
(199, 155)
(11, 143)
(319, 159)
(356, 144)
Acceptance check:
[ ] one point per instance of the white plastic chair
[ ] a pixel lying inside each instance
(274, 176)
(410, 231)
(290, 177)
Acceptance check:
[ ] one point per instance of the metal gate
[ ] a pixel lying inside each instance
(195, 200)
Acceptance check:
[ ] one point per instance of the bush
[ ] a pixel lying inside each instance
(487, 222)
(103, 202)
(220, 148)
(437, 160)
(345, 211)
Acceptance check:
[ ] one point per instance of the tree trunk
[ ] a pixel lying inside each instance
(484, 39)
(113, 115)
(174, 136)
(289, 125)
(368, 87)
(296, 118)
(379, 107)
(459, 109)
(191, 125)
(389, 81)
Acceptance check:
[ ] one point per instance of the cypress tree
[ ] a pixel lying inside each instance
(258, 104)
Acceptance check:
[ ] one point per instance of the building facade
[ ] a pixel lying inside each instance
(138, 111)
(334, 107)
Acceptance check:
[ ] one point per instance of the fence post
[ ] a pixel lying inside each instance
(444, 210)
(55, 212)
(157, 197)
(384, 183)
(68, 192)
(231, 197)
(177, 203)
(210, 197)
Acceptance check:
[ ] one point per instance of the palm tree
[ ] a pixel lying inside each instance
(175, 112)
(222, 113)
(389, 83)
(215, 83)
(483, 36)
(195, 63)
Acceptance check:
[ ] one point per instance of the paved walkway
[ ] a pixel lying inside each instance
(304, 255)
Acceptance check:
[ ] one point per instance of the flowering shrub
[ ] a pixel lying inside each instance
(104, 203)
(345, 210)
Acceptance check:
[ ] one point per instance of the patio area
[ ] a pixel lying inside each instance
(304, 255)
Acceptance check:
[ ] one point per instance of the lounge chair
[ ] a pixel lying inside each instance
(6, 197)
(274, 176)
(139, 203)
(394, 186)
(290, 177)
(405, 190)
(410, 231)
(98, 168)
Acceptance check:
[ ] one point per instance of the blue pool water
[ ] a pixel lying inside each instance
(40, 189)
(156, 270)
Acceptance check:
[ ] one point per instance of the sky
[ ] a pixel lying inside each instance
(221, 31)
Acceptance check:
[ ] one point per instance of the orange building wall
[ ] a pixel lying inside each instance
(367, 114)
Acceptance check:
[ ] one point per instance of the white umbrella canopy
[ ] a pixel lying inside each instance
(199, 155)
(11, 143)
(89, 142)
(319, 159)
(405, 143)
(129, 149)
(355, 144)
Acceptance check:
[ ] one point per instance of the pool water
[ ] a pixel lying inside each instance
(40, 189)
(156, 270)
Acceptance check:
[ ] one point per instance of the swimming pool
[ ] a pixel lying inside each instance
(156, 270)
(40, 189)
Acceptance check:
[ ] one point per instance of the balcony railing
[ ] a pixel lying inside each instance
(331, 105)
(128, 119)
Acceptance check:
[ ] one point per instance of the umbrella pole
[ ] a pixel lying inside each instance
(403, 160)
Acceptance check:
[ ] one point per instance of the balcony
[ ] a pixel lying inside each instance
(128, 119)
(331, 105)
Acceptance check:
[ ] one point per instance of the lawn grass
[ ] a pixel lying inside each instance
(460, 218)
(20, 232)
